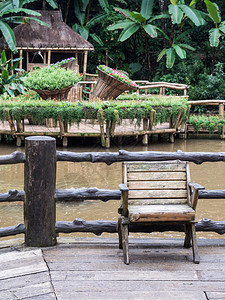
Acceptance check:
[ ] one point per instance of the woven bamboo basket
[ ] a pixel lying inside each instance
(55, 94)
(108, 87)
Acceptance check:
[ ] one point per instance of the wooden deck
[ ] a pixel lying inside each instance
(93, 268)
(86, 129)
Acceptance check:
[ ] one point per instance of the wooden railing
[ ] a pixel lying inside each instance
(40, 195)
(163, 86)
(220, 103)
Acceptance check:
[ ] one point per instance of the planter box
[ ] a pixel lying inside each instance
(108, 87)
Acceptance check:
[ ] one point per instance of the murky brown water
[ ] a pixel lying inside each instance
(210, 175)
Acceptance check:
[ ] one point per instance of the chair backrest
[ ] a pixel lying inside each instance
(158, 182)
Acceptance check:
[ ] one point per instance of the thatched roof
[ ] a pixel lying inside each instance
(58, 35)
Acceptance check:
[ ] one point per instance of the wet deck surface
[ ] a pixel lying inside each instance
(94, 269)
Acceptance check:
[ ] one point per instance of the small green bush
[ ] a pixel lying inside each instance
(211, 123)
(51, 78)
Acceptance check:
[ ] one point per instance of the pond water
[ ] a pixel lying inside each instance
(210, 175)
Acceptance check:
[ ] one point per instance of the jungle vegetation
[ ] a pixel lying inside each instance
(158, 40)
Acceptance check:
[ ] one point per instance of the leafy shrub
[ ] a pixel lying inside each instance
(210, 86)
(211, 123)
(11, 85)
(51, 78)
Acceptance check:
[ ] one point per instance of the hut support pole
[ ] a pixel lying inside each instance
(27, 59)
(45, 58)
(49, 57)
(85, 64)
(221, 110)
(40, 187)
(21, 56)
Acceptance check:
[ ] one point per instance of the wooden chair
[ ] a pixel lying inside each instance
(158, 192)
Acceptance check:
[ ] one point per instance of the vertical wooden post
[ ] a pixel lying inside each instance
(49, 57)
(39, 186)
(85, 64)
(145, 128)
(21, 61)
(107, 140)
(45, 60)
(27, 55)
(221, 110)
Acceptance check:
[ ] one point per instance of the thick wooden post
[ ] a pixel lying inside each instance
(40, 186)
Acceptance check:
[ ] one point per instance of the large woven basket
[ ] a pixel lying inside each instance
(55, 94)
(108, 87)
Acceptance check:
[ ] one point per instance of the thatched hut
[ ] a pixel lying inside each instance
(42, 45)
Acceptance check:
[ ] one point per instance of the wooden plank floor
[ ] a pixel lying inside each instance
(84, 127)
(93, 268)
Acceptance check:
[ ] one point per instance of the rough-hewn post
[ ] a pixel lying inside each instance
(39, 186)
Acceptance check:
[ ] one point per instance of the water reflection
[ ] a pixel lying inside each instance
(210, 175)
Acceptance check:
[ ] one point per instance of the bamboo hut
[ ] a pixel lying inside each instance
(42, 45)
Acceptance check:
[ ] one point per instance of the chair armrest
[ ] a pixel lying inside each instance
(123, 187)
(123, 209)
(194, 197)
(196, 186)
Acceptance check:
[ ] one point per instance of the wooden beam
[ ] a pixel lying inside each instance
(100, 226)
(13, 158)
(123, 155)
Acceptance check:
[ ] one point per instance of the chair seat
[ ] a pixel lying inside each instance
(161, 213)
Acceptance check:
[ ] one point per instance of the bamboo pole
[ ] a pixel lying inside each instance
(85, 64)
(221, 110)
(27, 56)
(21, 61)
(49, 57)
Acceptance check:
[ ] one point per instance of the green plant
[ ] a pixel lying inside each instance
(166, 108)
(10, 84)
(51, 78)
(209, 86)
(211, 123)
(142, 21)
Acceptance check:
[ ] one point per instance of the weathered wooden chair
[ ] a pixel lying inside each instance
(158, 192)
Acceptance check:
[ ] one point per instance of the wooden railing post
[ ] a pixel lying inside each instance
(40, 186)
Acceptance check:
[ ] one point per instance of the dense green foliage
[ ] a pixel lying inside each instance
(51, 78)
(11, 84)
(190, 38)
(31, 105)
(211, 123)
(165, 107)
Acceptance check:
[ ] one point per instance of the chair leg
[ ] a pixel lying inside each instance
(119, 229)
(196, 257)
(187, 240)
(125, 244)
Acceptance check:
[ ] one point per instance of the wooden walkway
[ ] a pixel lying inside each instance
(86, 129)
(85, 268)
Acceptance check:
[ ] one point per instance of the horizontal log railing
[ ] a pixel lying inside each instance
(40, 226)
